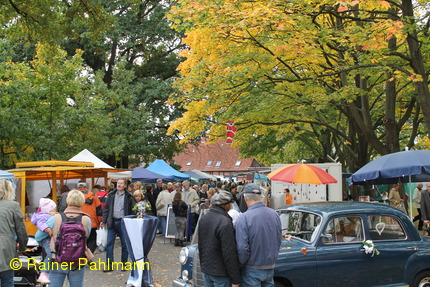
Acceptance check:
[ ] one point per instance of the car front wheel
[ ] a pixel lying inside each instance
(422, 279)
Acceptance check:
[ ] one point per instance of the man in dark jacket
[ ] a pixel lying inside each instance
(217, 245)
(158, 188)
(425, 206)
(119, 203)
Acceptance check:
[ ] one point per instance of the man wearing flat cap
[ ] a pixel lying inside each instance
(217, 244)
(258, 237)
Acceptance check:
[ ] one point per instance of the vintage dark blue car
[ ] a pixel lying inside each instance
(323, 246)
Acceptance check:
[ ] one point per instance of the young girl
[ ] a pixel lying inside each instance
(180, 209)
(43, 235)
(142, 206)
(138, 196)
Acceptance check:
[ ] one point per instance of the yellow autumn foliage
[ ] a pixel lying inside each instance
(284, 68)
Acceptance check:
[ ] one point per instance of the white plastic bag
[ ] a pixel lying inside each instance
(102, 237)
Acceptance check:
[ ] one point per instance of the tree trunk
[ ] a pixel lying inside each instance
(391, 130)
(417, 63)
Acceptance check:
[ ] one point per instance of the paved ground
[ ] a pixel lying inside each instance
(163, 259)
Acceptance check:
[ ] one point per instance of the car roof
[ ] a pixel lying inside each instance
(334, 207)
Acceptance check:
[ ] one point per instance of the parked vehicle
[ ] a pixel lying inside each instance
(339, 244)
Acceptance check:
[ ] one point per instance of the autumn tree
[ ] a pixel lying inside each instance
(299, 79)
(50, 20)
(39, 118)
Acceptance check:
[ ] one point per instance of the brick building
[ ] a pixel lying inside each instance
(219, 159)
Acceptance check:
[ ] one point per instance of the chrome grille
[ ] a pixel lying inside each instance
(197, 272)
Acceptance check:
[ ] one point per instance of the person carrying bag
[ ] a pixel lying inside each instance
(102, 238)
(68, 242)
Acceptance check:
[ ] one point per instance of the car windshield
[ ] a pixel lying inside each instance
(302, 225)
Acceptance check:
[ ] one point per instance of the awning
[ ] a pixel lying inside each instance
(54, 170)
(161, 167)
(200, 175)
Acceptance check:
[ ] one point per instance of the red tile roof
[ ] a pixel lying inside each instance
(226, 156)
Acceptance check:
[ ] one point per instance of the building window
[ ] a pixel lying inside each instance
(209, 163)
(238, 163)
(189, 163)
(218, 164)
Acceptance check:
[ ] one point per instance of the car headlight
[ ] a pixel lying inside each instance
(185, 275)
(183, 255)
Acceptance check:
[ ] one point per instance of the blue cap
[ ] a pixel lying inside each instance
(252, 188)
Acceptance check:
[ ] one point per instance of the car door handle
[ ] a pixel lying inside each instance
(412, 247)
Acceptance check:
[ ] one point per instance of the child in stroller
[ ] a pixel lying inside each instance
(27, 274)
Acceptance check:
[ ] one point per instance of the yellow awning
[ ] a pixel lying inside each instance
(56, 170)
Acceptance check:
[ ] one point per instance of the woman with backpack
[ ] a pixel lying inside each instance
(71, 226)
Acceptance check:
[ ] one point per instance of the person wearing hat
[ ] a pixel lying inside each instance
(241, 202)
(258, 237)
(217, 245)
(47, 209)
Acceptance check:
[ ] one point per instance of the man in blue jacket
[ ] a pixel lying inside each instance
(258, 238)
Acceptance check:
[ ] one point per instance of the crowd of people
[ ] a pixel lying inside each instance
(85, 211)
(238, 235)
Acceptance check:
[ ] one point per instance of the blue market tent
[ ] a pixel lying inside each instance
(161, 167)
(6, 175)
(146, 176)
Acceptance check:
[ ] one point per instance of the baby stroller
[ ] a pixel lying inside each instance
(27, 275)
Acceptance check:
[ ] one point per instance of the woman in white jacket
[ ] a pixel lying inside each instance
(163, 200)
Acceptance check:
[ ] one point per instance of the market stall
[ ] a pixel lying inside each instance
(55, 171)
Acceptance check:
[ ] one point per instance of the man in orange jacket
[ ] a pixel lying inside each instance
(93, 208)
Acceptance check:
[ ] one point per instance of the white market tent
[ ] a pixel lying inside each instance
(204, 175)
(87, 156)
(118, 175)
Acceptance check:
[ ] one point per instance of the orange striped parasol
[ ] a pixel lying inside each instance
(302, 173)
